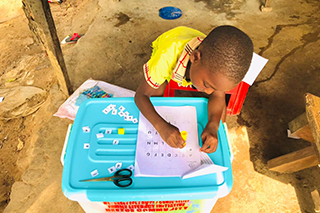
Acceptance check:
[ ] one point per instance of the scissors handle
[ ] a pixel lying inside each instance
(123, 173)
(123, 182)
(122, 178)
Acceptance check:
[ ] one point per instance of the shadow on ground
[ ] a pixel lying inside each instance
(276, 99)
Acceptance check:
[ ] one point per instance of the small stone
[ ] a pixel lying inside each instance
(27, 41)
(20, 145)
(265, 9)
(30, 82)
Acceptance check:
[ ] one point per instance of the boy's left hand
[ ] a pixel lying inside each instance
(209, 140)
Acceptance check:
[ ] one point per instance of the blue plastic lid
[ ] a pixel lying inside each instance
(87, 156)
(170, 13)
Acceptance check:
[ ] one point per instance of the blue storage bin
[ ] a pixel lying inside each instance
(80, 162)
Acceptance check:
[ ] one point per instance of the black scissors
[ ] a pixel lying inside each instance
(121, 178)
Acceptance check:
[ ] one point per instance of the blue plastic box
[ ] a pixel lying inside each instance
(80, 162)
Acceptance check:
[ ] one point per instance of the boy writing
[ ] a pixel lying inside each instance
(212, 64)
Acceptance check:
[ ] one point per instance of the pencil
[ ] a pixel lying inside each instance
(184, 137)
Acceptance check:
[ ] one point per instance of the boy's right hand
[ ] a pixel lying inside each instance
(171, 135)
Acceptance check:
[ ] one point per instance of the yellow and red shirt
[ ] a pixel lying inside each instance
(170, 56)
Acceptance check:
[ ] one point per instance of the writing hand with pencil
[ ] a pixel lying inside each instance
(171, 135)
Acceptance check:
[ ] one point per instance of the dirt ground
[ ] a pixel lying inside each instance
(116, 44)
(22, 63)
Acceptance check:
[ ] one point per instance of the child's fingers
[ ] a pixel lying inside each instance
(179, 142)
(204, 145)
(182, 143)
(209, 145)
(176, 142)
(172, 144)
(211, 148)
(171, 135)
(204, 148)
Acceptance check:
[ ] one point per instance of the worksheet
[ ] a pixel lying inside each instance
(155, 158)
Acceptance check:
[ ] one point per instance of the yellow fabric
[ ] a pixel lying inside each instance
(179, 72)
(167, 49)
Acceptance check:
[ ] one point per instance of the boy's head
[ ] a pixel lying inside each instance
(225, 53)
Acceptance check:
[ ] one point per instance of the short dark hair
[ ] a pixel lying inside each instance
(227, 50)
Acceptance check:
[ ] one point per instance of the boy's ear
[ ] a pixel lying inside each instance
(195, 56)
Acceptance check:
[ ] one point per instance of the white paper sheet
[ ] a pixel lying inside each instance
(205, 159)
(290, 135)
(205, 169)
(155, 158)
(256, 66)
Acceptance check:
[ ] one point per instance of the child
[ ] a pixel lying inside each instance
(212, 64)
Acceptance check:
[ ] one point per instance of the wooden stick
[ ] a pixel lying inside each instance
(295, 161)
(313, 116)
(300, 127)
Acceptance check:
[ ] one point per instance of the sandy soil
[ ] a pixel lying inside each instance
(22, 63)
